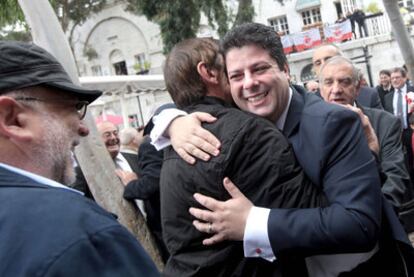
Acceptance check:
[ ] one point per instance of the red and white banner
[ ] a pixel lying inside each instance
(306, 39)
(287, 44)
(338, 32)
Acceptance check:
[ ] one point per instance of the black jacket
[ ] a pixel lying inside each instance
(147, 188)
(260, 161)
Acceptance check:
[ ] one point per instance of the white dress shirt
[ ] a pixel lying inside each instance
(122, 163)
(404, 104)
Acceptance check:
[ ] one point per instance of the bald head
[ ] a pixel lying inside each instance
(109, 134)
(322, 54)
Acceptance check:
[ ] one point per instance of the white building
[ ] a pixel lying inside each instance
(116, 42)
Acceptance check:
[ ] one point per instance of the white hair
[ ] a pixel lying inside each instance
(127, 135)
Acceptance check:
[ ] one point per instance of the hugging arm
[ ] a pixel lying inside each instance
(185, 134)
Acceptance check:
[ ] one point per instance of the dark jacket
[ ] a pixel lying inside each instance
(147, 188)
(381, 93)
(369, 97)
(397, 184)
(256, 157)
(48, 231)
(330, 145)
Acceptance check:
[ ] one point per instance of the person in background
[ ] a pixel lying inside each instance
(340, 85)
(359, 17)
(312, 86)
(144, 185)
(384, 86)
(130, 139)
(367, 97)
(48, 229)
(397, 103)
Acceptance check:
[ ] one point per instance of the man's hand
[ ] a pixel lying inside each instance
(191, 140)
(126, 176)
(227, 220)
(369, 132)
(411, 237)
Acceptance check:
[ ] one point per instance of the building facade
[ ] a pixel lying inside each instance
(116, 42)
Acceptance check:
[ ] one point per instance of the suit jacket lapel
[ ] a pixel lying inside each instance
(294, 113)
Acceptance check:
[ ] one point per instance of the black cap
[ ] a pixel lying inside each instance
(25, 64)
(150, 124)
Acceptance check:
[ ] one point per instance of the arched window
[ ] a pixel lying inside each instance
(307, 74)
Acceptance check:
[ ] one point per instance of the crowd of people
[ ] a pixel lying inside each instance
(258, 177)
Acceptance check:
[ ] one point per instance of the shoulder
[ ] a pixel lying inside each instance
(321, 110)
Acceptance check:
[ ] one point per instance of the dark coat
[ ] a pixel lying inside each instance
(329, 143)
(397, 184)
(256, 157)
(48, 231)
(381, 93)
(369, 97)
(82, 185)
(147, 188)
(132, 160)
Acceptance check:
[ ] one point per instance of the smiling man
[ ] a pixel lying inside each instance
(48, 229)
(330, 145)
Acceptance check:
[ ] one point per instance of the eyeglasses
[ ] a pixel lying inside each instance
(80, 106)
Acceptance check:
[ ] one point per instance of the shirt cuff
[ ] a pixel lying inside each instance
(256, 240)
(161, 122)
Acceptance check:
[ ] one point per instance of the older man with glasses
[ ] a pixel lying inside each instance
(48, 229)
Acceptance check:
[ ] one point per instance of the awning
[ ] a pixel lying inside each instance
(306, 4)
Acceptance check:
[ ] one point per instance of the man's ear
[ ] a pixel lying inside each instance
(14, 120)
(207, 74)
(287, 70)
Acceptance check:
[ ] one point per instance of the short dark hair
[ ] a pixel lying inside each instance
(385, 72)
(180, 70)
(400, 70)
(258, 35)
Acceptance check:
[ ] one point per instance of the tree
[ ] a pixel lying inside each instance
(179, 20)
(67, 10)
(401, 34)
(46, 33)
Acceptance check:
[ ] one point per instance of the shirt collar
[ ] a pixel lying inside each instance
(280, 123)
(122, 163)
(37, 178)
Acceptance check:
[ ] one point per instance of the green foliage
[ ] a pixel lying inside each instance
(179, 20)
(16, 35)
(373, 8)
(76, 11)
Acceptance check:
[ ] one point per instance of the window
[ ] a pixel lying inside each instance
(280, 24)
(96, 70)
(311, 16)
(405, 3)
(140, 62)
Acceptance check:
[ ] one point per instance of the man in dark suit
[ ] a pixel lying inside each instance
(368, 97)
(382, 130)
(48, 229)
(384, 86)
(397, 103)
(145, 184)
(330, 145)
(130, 139)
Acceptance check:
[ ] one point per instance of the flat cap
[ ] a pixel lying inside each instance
(26, 64)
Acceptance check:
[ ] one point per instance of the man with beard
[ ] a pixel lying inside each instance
(48, 229)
